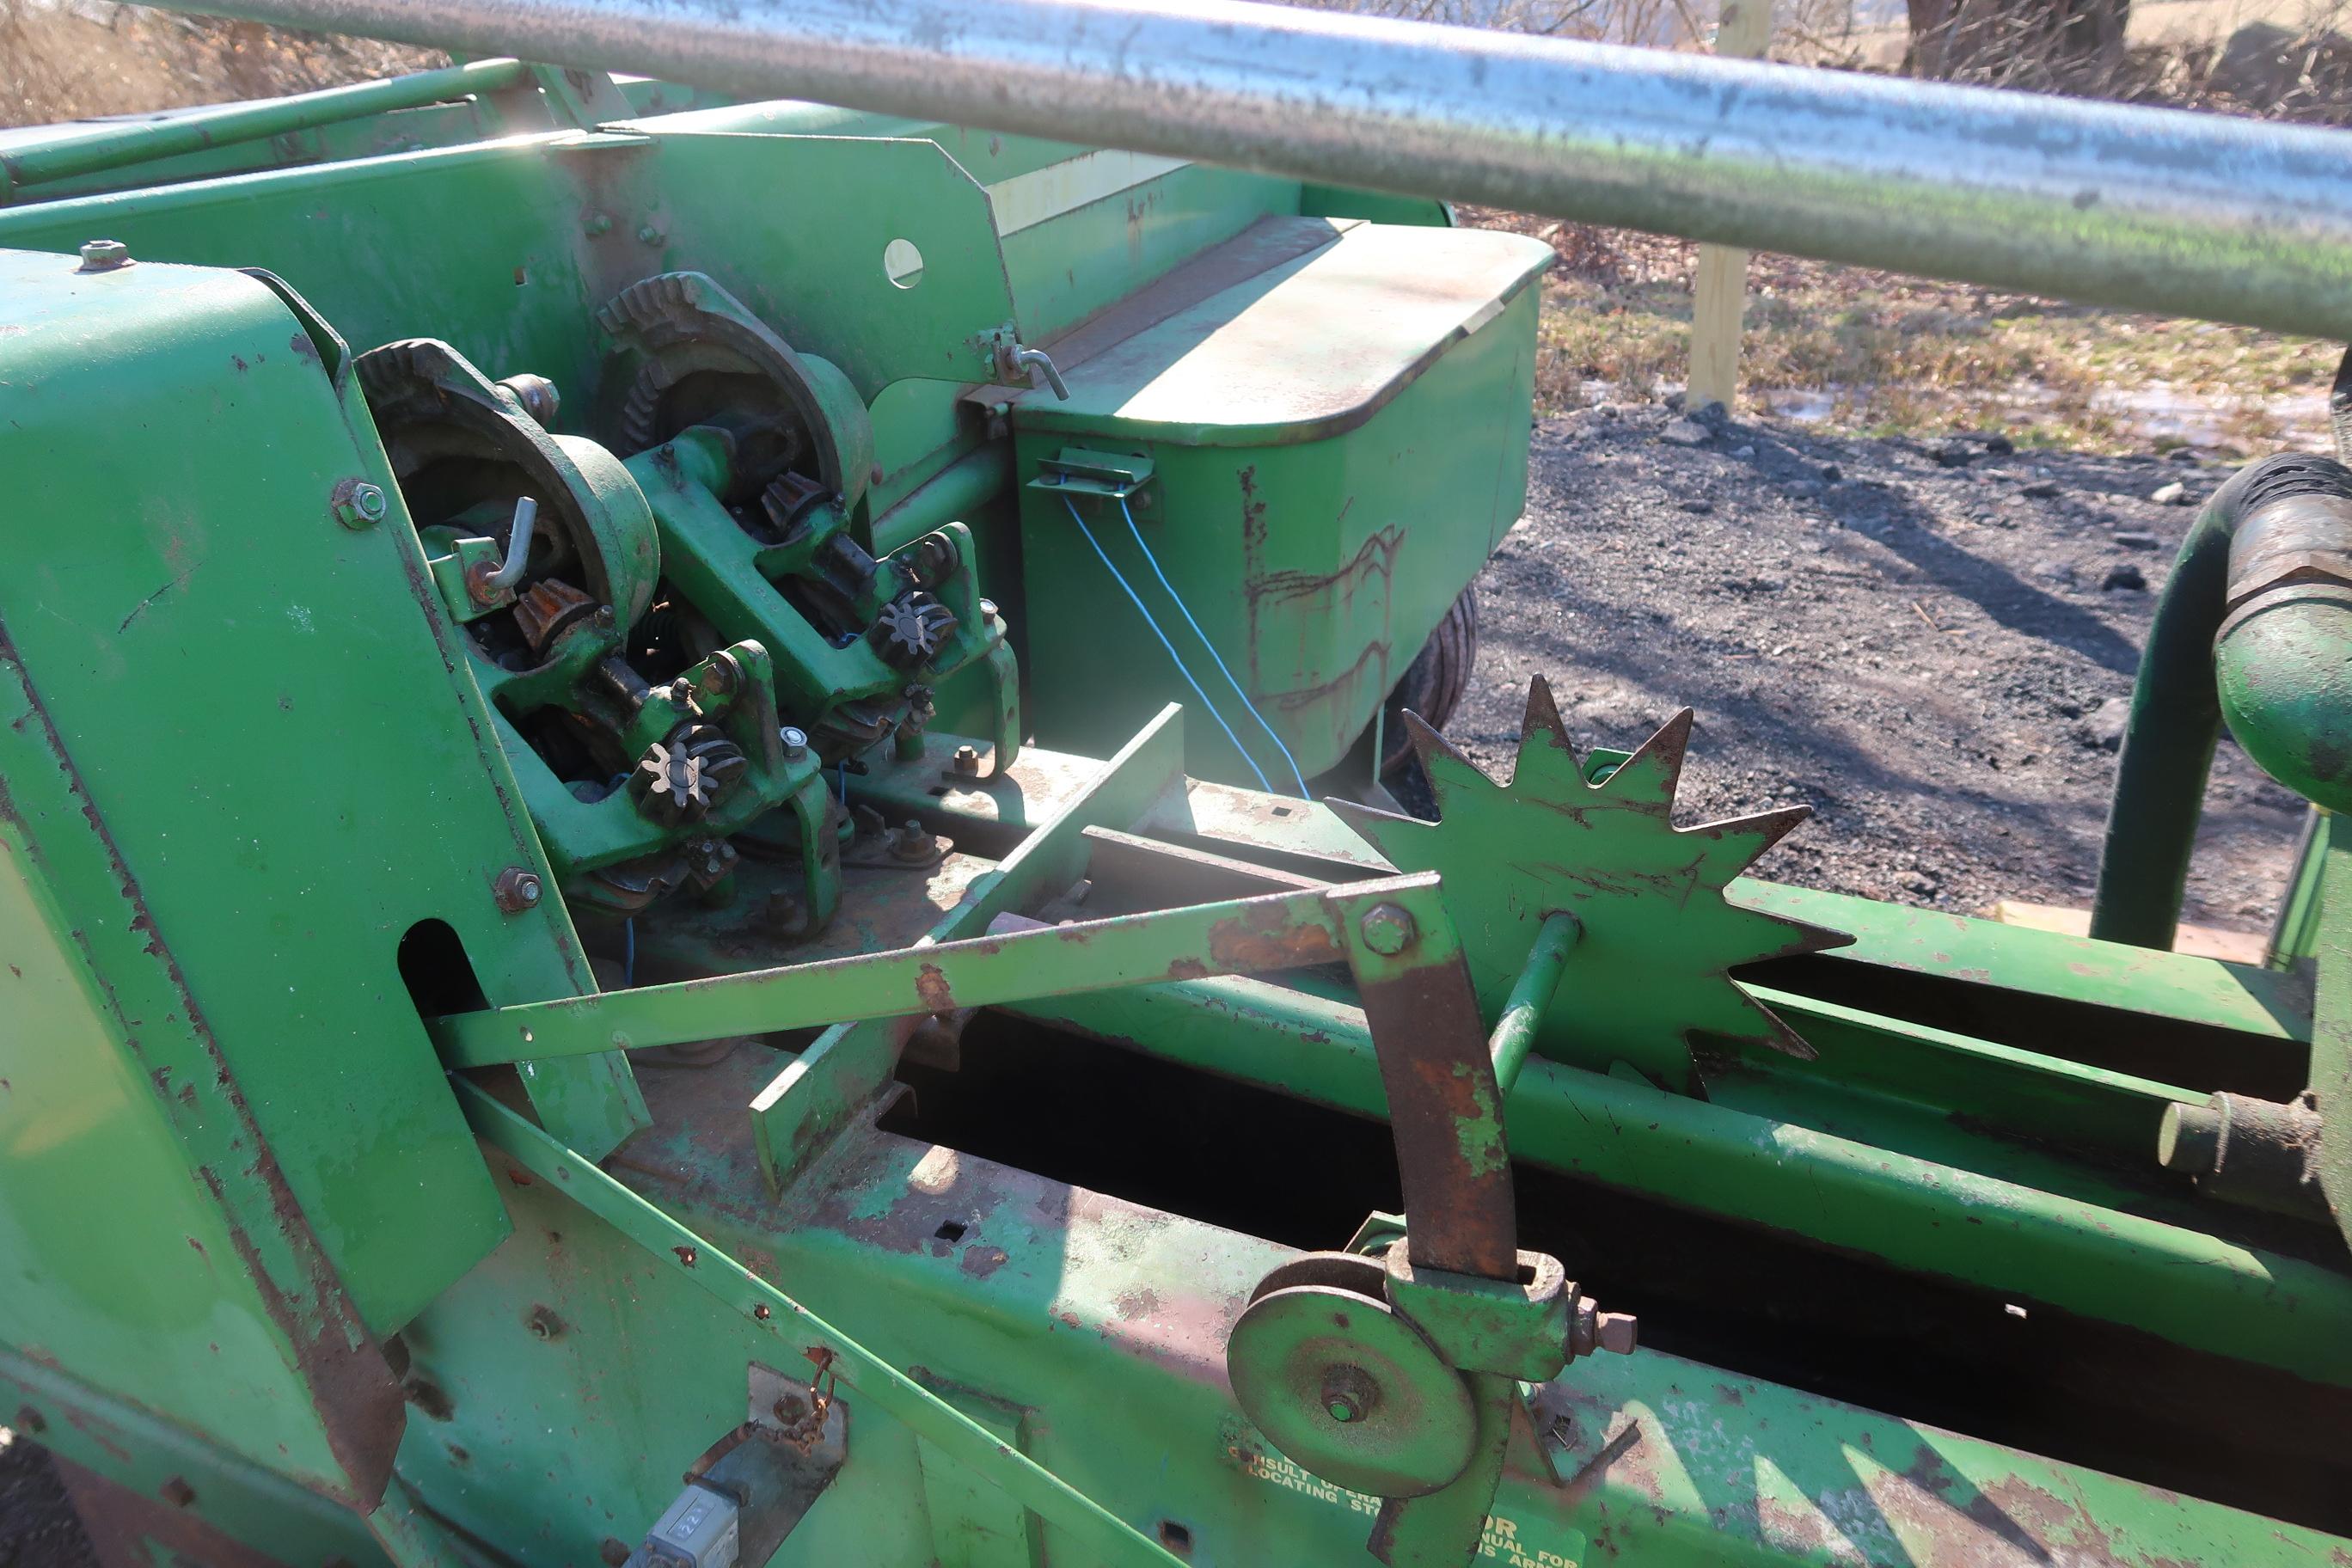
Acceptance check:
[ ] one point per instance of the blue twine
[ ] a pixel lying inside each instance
(1177, 601)
(1136, 601)
(628, 953)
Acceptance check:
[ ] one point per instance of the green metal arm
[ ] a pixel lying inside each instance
(70, 155)
(1239, 936)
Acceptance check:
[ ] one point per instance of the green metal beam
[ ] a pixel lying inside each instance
(65, 157)
(2034, 1246)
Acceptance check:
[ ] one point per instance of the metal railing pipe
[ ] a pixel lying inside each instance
(86, 151)
(2162, 210)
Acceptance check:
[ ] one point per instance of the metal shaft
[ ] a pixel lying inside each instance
(2186, 213)
(81, 152)
(1532, 993)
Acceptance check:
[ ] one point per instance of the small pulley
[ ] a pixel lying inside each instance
(1344, 1385)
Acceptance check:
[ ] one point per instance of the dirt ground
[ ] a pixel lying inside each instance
(1932, 643)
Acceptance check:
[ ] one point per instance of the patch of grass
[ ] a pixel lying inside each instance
(1898, 355)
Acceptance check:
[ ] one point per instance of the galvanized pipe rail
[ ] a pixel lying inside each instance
(2159, 210)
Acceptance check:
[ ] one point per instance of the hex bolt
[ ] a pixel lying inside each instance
(967, 762)
(516, 889)
(649, 235)
(1617, 1332)
(1387, 928)
(597, 223)
(104, 255)
(358, 504)
(178, 1492)
(795, 743)
(1590, 1329)
(1350, 1394)
(911, 844)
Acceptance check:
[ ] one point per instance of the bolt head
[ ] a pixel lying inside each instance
(1348, 1393)
(967, 761)
(1616, 1332)
(358, 504)
(104, 255)
(795, 742)
(516, 889)
(649, 235)
(597, 223)
(1387, 930)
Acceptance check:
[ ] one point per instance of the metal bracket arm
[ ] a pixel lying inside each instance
(1240, 936)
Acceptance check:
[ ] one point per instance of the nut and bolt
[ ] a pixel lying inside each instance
(597, 223)
(544, 1324)
(104, 255)
(178, 1492)
(516, 889)
(649, 235)
(721, 677)
(1387, 930)
(967, 762)
(358, 504)
(1590, 1329)
(795, 743)
(1350, 1394)
(911, 844)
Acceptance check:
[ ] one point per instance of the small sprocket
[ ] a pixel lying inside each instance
(1651, 968)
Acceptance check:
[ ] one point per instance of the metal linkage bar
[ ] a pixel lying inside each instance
(1241, 936)
(2161, 210)
(89, 153)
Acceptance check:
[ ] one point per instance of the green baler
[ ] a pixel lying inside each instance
(694, 872)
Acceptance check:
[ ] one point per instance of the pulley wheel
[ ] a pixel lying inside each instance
(1350, 1391)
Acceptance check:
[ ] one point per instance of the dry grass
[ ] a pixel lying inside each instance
(1895, 354)
(71, 61)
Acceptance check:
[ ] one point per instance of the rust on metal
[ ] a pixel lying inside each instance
(126, 1526)
(1445, 1112)
(358, 1401)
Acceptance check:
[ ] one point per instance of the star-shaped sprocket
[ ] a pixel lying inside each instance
(1652, 966)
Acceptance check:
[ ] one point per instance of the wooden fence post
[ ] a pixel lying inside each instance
(1719, 290)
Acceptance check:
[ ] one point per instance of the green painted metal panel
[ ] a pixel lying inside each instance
(1317, 563)
(159, 1310)
(192, 624)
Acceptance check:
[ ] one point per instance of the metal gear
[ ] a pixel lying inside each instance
(1650, 974)
(912, 627)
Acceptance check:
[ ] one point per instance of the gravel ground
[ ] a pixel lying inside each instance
(1931, 643)
(37, 1527)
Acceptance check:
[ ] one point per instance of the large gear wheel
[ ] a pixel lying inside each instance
(1650, 972)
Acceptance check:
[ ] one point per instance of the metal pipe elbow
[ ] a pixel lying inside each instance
(2282, 652)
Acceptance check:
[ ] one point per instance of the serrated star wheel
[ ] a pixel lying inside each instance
(1650, 972)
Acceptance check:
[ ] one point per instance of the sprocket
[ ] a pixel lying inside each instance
(1651, 971)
